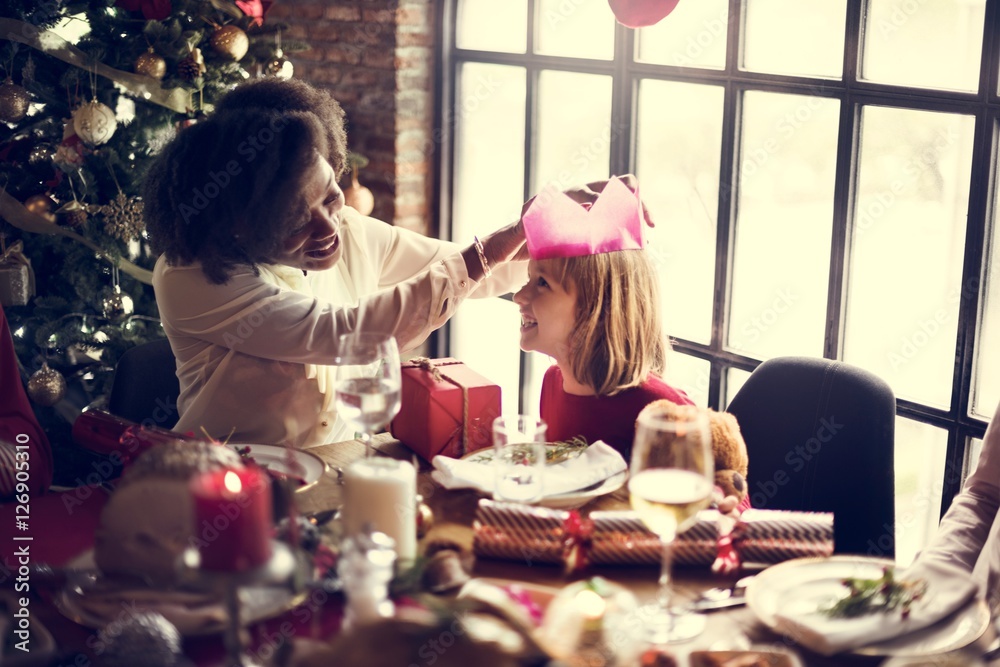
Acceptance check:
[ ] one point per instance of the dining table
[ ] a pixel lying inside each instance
(454, 511)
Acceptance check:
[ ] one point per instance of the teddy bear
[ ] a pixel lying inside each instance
(728, 447)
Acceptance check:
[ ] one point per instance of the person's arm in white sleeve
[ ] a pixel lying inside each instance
(967, 523)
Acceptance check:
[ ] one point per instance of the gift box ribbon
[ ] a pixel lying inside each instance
(462, 431)
(536, 534)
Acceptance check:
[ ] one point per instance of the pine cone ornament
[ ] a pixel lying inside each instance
(73, 214)
(150, 64)
(230, 41)
(14, 102)
(123, 217)
(142, 638)
(192, 66)
(46, 386)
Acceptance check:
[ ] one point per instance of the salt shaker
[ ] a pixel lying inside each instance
(366, 567)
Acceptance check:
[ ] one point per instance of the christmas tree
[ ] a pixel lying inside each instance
(90, 92)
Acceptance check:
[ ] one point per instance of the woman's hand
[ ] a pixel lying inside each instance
(504, 245)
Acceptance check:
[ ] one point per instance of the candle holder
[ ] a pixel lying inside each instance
(286, 567)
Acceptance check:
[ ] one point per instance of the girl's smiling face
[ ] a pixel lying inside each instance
(548, 312)
(314, 244)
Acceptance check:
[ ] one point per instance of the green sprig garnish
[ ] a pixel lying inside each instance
(873, 596)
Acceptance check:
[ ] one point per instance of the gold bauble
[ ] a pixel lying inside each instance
(116, 305)
(359, 197)
(94, 123)
(14, 102)
(46, 387)
(41, 205)
(230, 41)
(151, 65)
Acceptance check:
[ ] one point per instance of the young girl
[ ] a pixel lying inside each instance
(592, 304)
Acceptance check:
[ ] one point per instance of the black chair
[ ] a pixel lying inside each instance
(820, 438)
(145, 386)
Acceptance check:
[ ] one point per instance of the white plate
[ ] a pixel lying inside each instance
(805, 584)
(303, 464)
(206, 617)
(564, 501)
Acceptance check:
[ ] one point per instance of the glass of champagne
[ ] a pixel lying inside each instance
(671, 477)
(368, 382)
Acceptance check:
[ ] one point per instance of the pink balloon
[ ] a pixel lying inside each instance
(641, 13)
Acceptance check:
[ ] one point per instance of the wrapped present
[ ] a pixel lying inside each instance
(539, 535)
(447, 408)
(17, 280)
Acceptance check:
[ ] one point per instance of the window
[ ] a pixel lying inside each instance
(822, 174)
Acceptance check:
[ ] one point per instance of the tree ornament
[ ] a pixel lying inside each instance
(123, 217)
(94, 123)
(41, 205)
(46, 386)
(40, 154)
(141, 638)
(425, 517)
(231, 41)
(192, 65)
(280, 67)
(116, 305)
(358, 196)
(150, 64)
(14, 102)
(72, 214)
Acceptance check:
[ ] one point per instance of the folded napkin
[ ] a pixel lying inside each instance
(598, 462)
(948, 589)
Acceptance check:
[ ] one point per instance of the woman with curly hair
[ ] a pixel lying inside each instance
(263, 266)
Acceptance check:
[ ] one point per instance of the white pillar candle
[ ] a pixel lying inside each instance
(383, 492)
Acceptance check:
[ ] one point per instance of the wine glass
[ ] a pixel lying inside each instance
(671, 477)
(368, 382)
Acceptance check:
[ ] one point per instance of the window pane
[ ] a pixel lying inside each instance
(693, 35)
(814, 47)
(488, 97)
(492, 351)
(781, 266)
(986, 390)
(690, 374)
(677, 161)
(906, 260)
(574, 129)
(924, 44)
(575, 29)
(920, 453)
(975, 449)
(734, 381)
(492, 26)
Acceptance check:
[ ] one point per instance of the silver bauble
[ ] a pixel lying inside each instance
(116, 305)
(94, 123)
(141, 638)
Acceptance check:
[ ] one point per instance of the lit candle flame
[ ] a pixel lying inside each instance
(232, 482)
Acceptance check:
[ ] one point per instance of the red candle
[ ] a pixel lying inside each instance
(232, 519)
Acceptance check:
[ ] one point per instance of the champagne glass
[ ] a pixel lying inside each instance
(368, 382)
(671, 477)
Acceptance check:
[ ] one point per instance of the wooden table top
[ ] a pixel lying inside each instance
(454, 512)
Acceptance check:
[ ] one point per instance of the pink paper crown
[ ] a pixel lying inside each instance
(557, 226)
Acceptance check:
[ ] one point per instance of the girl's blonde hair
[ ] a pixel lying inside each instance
(617, 337)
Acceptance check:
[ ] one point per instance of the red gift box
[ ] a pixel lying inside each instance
(447, 408)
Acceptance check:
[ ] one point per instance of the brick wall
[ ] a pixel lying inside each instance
(376, 57)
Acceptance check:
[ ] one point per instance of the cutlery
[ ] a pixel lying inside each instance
(722, 598)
